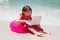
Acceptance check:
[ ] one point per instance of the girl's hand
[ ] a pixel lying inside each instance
(28, 22)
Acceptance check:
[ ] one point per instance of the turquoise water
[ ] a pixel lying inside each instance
(32, 3)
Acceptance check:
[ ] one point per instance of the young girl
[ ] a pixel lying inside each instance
(25, 19)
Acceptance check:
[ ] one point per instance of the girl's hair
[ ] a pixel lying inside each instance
(26, 8)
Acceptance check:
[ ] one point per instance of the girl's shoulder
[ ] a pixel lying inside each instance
(20, 14)
(19, 17)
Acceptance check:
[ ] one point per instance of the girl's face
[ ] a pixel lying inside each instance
(27, 13)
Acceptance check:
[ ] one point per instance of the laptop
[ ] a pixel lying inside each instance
(35, 20)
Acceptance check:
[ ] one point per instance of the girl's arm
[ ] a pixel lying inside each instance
(20, 20)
